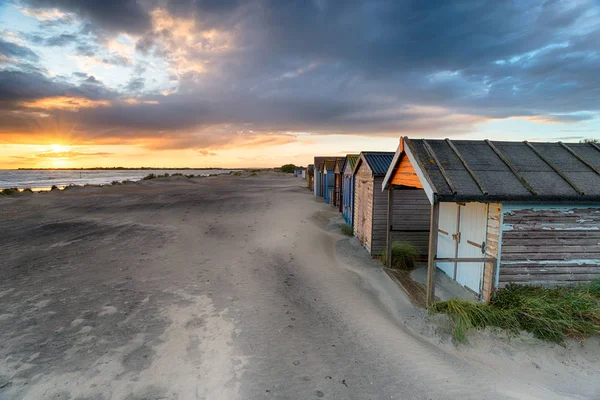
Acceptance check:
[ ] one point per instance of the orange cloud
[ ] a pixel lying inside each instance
(64, 103)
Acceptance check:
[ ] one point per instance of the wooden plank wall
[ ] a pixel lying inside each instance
(492, 243)
(411, 211)
(363, 205)
(550, 247)
(348, 197)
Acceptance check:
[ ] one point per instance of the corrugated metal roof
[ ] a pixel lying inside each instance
(379, 162)
(478, 170)
(351, 159)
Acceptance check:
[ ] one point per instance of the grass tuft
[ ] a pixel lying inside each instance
(346, 229)
(551, 314)
(27, 190)
(54, 187)
(404, 255)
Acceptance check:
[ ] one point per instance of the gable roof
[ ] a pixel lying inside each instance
(482, 170)
(350, 160)
(329, 164)
(378, 161)
(319, 160)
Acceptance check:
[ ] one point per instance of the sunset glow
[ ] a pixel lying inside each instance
(183, 83)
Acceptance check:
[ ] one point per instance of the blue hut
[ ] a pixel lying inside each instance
(348, 187)
(318, 175)
(328, 180)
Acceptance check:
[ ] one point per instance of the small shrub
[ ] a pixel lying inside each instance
(177, 174)
(404, 255)
(54, 187)
(236, 173)
(190, 176)
(148, 177)
(125, 182)
(27, 190)
(115, 183)
(346, 229)
(10, 191)
(253, 174)
(288, 168)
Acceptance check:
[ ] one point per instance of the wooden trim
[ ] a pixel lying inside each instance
(443, 231)
(577, 156)
(439, 165)
(474, 244)
(469, 170)
(390, 211)
(428, 186)
(510, 166)
(555, 168)
(433, 242)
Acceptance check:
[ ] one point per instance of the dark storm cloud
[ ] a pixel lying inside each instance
(17, 86)
(11, 50)
(348, 67)
(118, 15)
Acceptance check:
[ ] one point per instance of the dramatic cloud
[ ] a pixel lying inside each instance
(203, 73)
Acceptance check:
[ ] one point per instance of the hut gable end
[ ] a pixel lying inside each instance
(406, 175)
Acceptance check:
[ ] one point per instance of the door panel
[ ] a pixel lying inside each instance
(446, 244)
(473, 229)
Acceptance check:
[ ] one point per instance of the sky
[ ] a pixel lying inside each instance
(232, 83)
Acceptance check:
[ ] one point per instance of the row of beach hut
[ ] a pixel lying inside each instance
(484, 213)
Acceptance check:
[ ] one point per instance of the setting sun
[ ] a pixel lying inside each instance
(58, 148)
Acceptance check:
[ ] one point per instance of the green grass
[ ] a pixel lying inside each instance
(346, 229)
(404, 255)
(9, 191)
(551, 314)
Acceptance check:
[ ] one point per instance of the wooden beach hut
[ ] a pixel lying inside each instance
(328, 180)
(310, 177)
(348, 187)
(318, 179)
(505, 212)
(370, 204)
(337, 185)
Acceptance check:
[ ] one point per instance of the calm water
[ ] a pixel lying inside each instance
(42, 180)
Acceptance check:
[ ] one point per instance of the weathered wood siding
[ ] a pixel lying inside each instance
(411, 212)
(492, 246)
(363, 205)
(550, 245)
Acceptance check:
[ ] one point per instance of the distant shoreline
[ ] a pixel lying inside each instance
(119, 169)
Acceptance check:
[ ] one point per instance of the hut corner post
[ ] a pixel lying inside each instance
(433, 242)
(390, 210)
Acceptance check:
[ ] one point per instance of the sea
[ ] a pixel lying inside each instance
(44, 179)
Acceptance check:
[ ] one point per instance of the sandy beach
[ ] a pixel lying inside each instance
(232, 287)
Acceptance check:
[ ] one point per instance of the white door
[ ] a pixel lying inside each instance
(473, 230)
(448, 226)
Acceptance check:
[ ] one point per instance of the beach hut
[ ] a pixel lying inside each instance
(505, 212)
(318, 175)
(348, 187)
(337, 185)
(328, 180)
(310, 177)
(370, 204)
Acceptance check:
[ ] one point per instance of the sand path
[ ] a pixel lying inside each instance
(221, 288)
